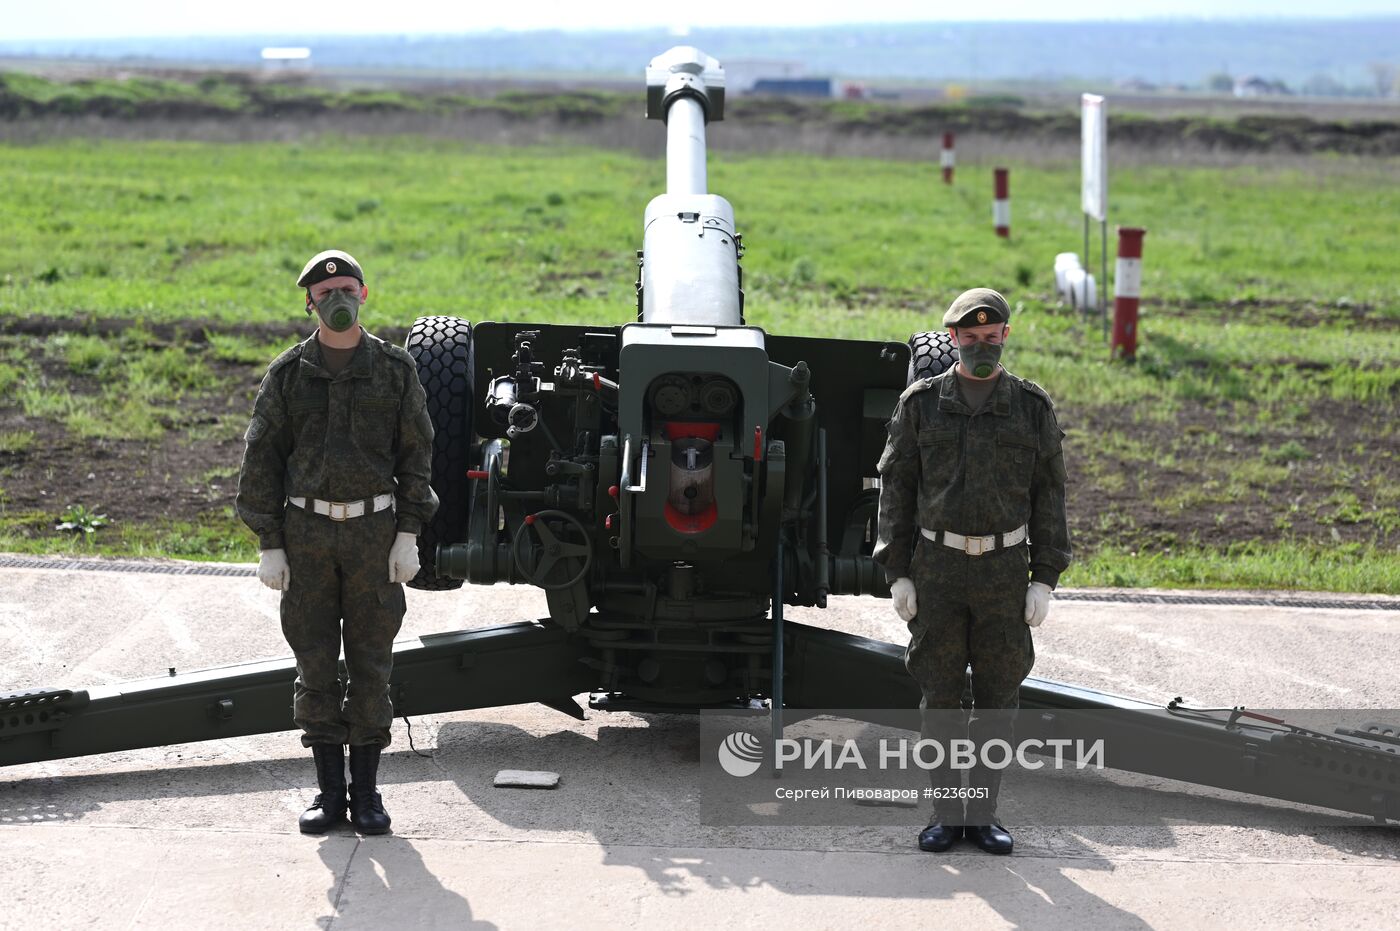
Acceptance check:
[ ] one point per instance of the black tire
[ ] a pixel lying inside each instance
(442, 348)
(931, 353)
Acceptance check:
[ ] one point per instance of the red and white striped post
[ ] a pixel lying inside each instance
(947, 158)
(1127, 288)
(1001, 206)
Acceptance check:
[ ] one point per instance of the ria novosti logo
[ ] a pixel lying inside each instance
(741, 754)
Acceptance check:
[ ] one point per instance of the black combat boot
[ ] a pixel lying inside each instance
(366, 807)
(991, 837)
(938, 837)
(329, 807)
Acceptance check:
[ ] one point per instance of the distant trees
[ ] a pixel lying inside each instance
(1220, 83)
(1324, 85)
(1387, 81)
(1384, 81)
(1251, 86)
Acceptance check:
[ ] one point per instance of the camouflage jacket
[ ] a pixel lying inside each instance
(945, 468)
(363, 432)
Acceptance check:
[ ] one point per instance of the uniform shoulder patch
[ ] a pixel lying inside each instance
(1038, 391)
(395, 352)
(922, 384)
(287, 355)
(257, 429)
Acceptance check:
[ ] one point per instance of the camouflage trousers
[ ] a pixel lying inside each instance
(971, 613)
(340, 592)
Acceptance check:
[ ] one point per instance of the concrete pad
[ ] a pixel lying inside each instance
(526, 779)
(59, 877)
(204, 835)
(108, 877)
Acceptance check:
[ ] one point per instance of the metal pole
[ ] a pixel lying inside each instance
(777, 691)
(1001, 202)
(1127, 288)
(685, 147)
(1083, 311)
(1103, 281)
(823, 549)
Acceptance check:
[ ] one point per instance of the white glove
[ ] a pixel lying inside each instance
(906, 605)
(1037, 603)
(273, 570)
(403, 558)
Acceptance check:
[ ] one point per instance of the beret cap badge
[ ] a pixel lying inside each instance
(977, 307)
(981, 314)
(329, 264)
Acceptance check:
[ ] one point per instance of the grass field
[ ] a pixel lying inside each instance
(1254, 443)
(165, 231)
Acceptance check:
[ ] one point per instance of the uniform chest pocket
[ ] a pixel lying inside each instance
(375, 421)
(1015, 460)
(308, 417)
(371, 404)
(939, 448)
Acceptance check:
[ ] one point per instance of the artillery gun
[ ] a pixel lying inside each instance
(671, 484)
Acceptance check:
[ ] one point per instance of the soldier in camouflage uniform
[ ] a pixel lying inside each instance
(335, 483)
(973, 537)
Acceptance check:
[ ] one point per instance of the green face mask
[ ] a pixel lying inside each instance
(338, 310)
(980, 358)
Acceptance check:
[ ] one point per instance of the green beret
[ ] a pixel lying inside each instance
(977, 307)
(330, 264)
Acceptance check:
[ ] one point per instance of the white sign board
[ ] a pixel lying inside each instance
(274, 53)
(1094, 160)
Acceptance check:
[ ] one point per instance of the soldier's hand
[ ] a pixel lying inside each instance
(403, 558)
(906, 604)
(273, 570)
(1037, 603)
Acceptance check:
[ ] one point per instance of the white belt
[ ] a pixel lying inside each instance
(976, 546)
(342, 510)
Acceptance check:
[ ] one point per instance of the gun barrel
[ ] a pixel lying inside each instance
(690, 253)
(685, 147)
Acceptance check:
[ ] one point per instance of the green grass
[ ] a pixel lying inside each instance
(112, 96)
(217, 537)
(230, 94)
(138, 389)
(1268, 294)
(10, 376)
(16, 441)
(837, 247)
(89, 354)
(231, 347)
(1286, 565)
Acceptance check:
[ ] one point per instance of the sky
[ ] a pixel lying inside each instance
(98, 19)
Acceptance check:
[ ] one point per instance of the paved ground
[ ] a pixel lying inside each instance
(204, 835)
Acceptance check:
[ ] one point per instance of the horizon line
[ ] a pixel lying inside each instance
(681, 35)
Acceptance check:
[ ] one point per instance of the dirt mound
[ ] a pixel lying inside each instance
(236, 95)
(1213, 473)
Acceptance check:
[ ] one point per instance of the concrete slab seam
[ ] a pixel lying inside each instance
(1234, 600)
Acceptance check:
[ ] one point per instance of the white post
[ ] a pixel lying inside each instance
(1094, 176)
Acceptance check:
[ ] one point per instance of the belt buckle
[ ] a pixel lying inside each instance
(344, 510)
(974, 546)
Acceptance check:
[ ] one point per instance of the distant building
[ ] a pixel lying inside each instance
(1137, 86)
(1253, 86)
(795, 87)
(740, 74)
(277, 59)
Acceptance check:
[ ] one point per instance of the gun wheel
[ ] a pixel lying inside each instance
(554, 552)
(930, 354)
(442, 349)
